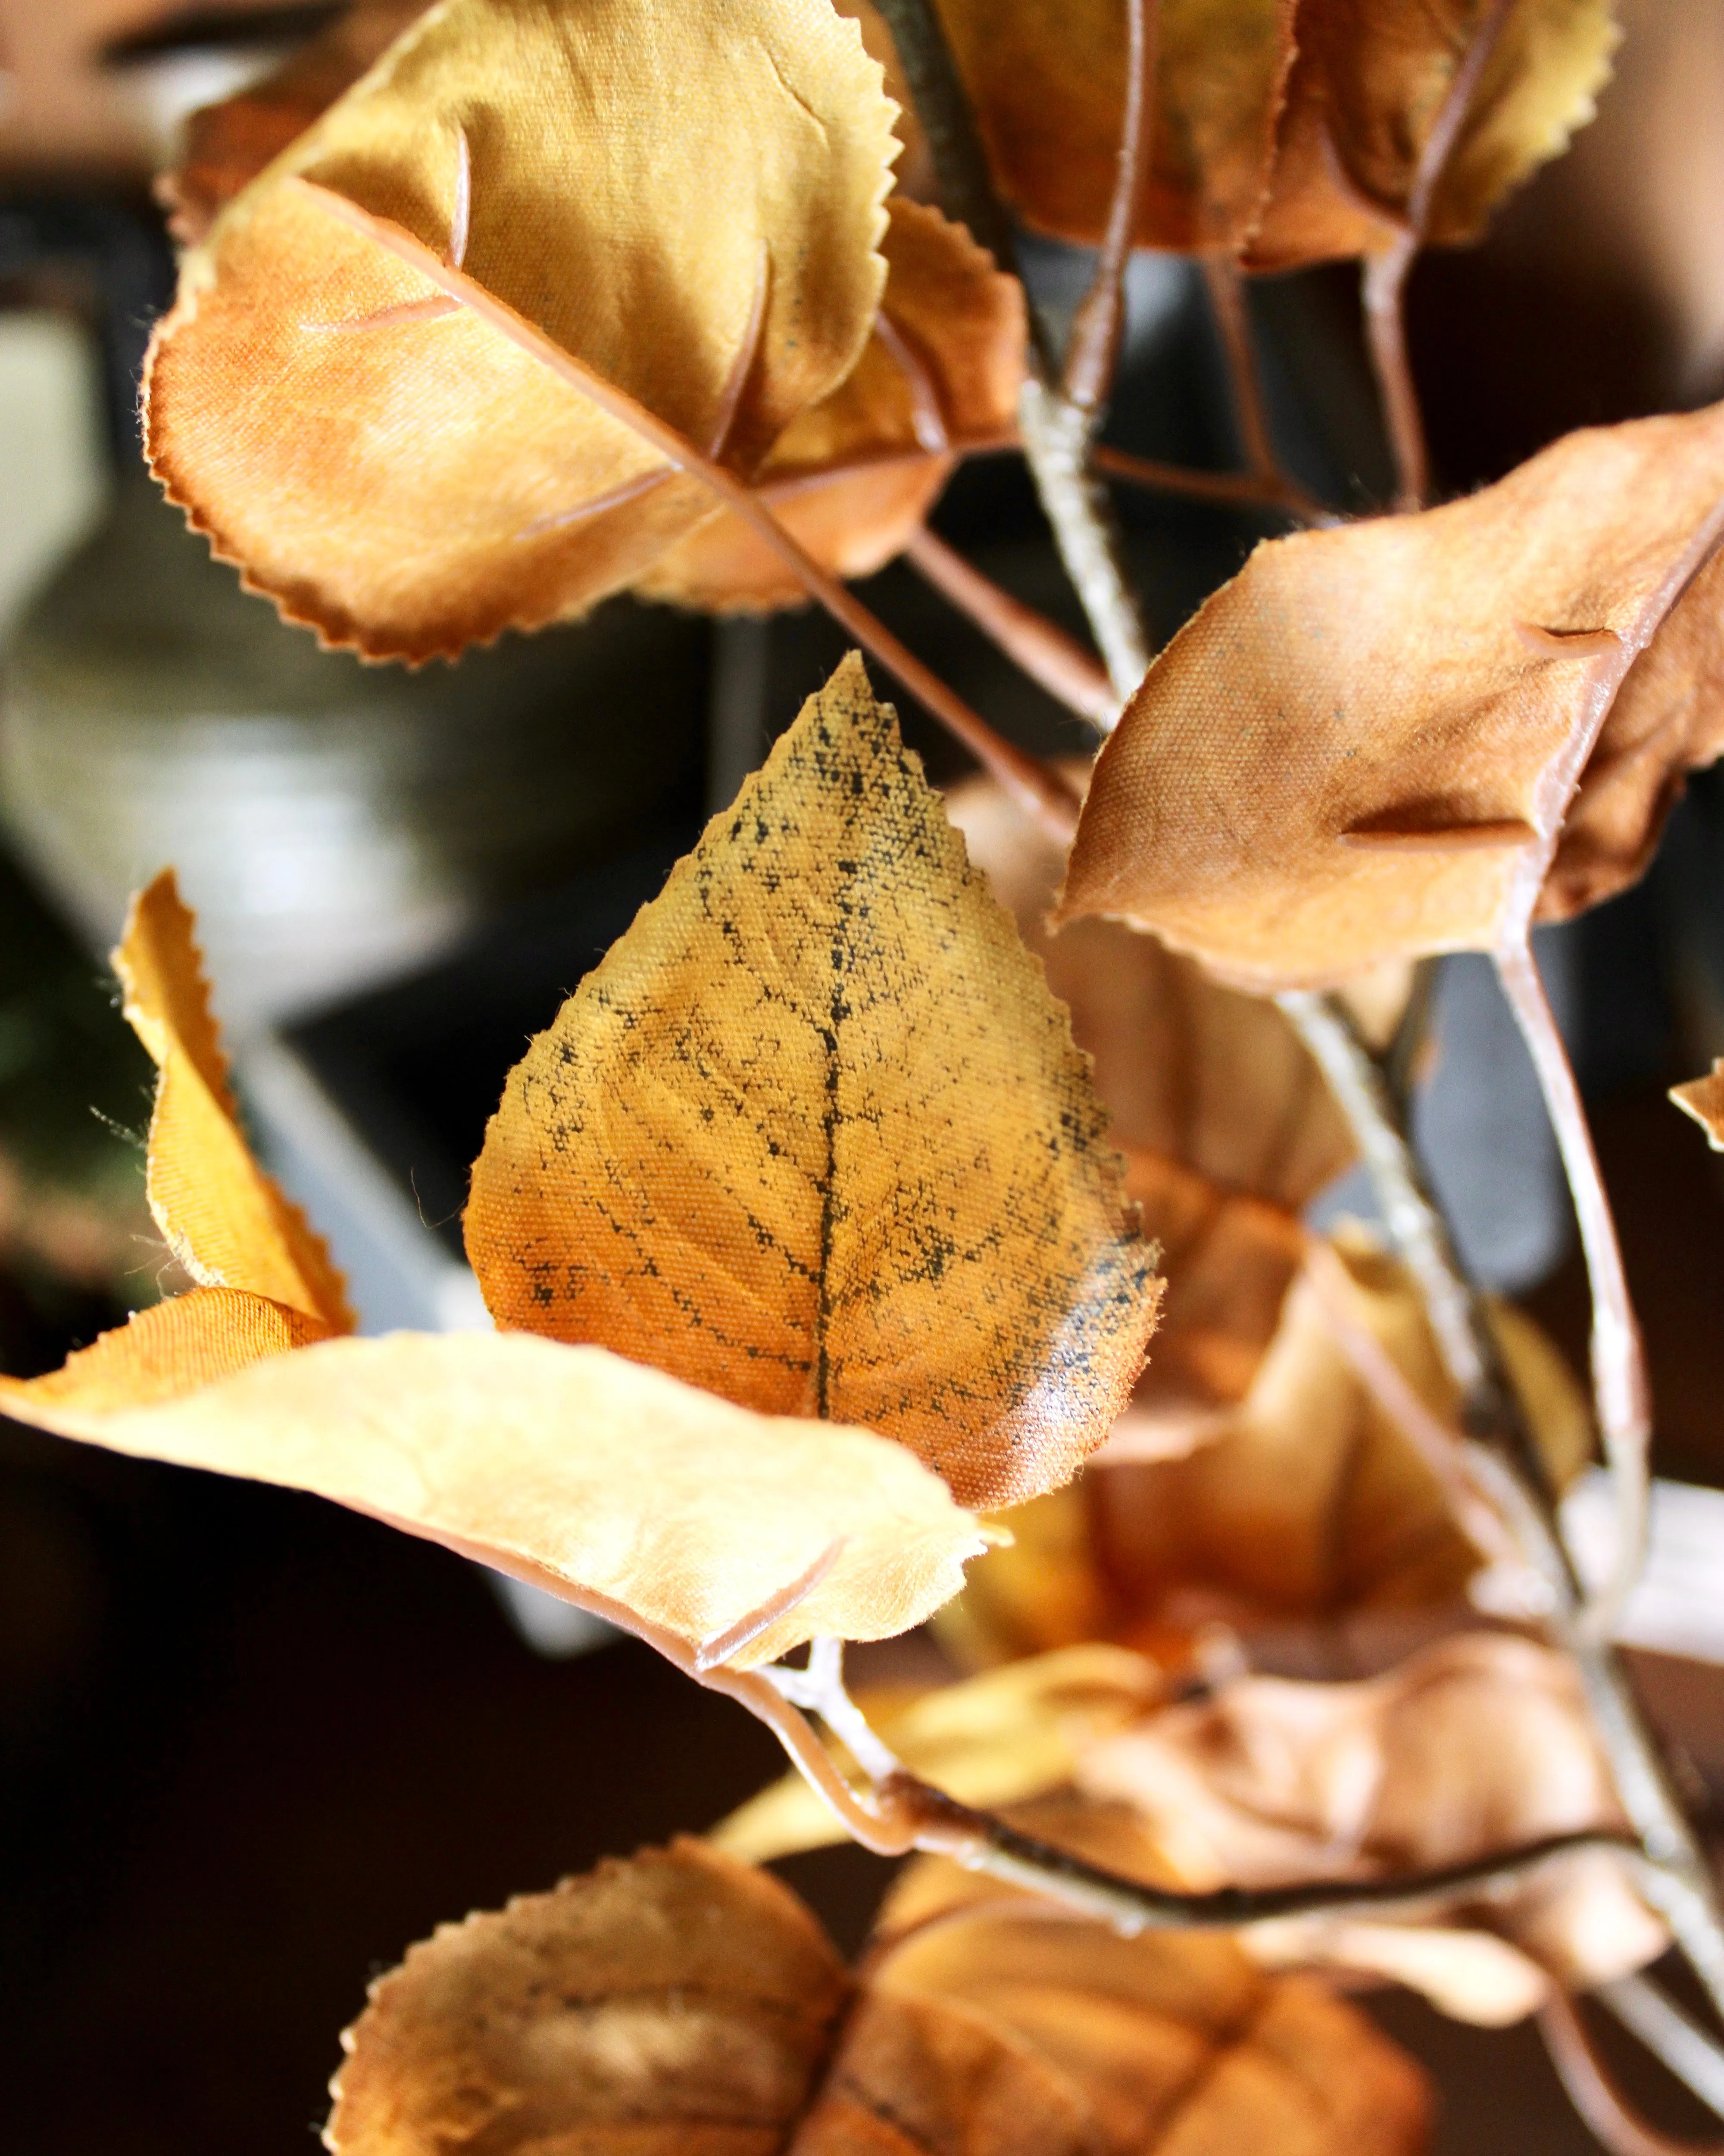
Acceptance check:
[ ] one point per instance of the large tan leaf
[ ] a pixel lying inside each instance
(1047, 79)
(680, 2004)
(989, 1740)
(1367, 88)
(722, 1536)
(854, 477)
(407, 479)
(1478, 1743)
(1703, 1098)
(226, 1221)
(814, 1135)
(1363, 748)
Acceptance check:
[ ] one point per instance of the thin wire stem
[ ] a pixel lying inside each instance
(1029, 639)
(1092, 348)
(1595, 2096)
(1243, 490)
(1227, 302)
(1694, 2058)
(1041, 789)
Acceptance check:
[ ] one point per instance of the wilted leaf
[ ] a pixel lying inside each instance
(990, 1740)
(853, 478)
(1364, 747)
(680, 2004)
(404, 477)
(814, 1135)
(1703, 1098)
(1365, 96)
(722, 1536)
(226, 145)
(1478, 1743)
(226, 1221)
(1048, 81)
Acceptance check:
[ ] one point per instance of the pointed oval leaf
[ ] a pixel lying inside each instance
(1363, 748)
(1364, 98)
(854, 477)
(814, 1135)
(402, 477)
(227, 1222)
(722, 1536)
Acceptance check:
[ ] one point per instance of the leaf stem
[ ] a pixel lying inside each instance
(1694, 2057)
(1246, 490)
(1040, 648)
(1595, 2096)
(1035, 785)
(1227, 302)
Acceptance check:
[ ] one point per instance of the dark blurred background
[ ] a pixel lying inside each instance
(249, 1746)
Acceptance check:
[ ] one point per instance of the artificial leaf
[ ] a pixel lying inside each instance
(1703, 1098)
(1364, 747)
(225, 1220)
(722, 1536)
(990, 1740)
(226, 145)
(1478, 1743)
(814, 1135)
(681, 2005)
(853, 477)
(1367, 91)
(1047, 79)
(407, 477)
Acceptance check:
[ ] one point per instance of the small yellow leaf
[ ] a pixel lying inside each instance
(400, 474)
(722, 1536)
(854, 477)
(814, 1135)
(225, 1220)
(1366, 90)
(1703, 1098)
(1363, 748)
(176, 1348)
(991, 1740)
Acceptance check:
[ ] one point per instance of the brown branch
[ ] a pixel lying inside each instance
(1595, 2096)
(1038, 646)
(1245, 489)
(1038, 787)
(1098, 328)
(1227, 300)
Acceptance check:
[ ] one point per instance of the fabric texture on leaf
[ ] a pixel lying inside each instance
(854, 477)
(1363, 748)
(814, 1135)
(1366, 90)
(400, 474)
(163, 1353)
(1703, 1098)
(227, 1222)
(681, 2005)
(719, 1535)
(1047, 79)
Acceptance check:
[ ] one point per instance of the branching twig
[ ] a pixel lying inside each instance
(1038, 646)
(1242, 489)
(1595, 2096)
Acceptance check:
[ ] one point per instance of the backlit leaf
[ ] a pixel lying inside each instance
(1703, 1098)
(722, 1536)
(1366, 90)
(407, 479)
(1364, 747)
(814, 1135)
(854, 477)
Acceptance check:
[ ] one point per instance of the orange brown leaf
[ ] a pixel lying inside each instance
(1363, 748)
(1703, 1098)
(814, 1135)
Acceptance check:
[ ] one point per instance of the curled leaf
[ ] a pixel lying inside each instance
(400, 474)
(1479, 1742)
(814, 1135)
(226, 1221)
(1364, 747)
(722, 1536)
(1047, 79)
(1369, 92)
(990, 1740)
(853, 477)
(1703, 1098)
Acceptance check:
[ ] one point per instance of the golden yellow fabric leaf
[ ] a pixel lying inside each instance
(1363, 748)
(990, 1740)
(1371, 79)
(402, 476)
(675, 2003)
(719, 1535)
(175, 1347)
(814, 1135)
(1479, 1743)
(854, 477)
(1047, 80)
(681, 2005)
(1703, 1098)
(225, 146)
(226, 1221)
